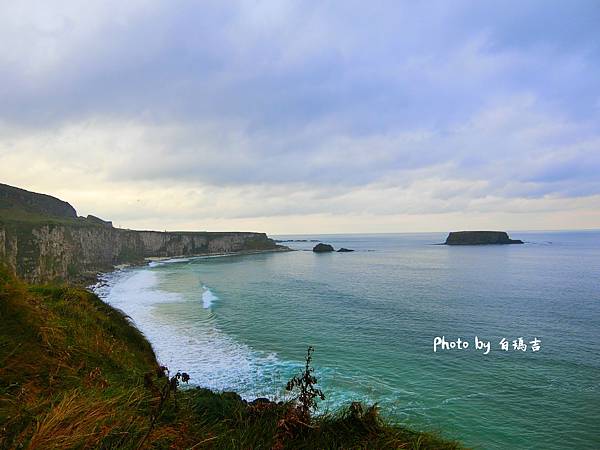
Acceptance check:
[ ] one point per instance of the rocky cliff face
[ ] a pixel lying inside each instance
(42, 239)
(43, 252)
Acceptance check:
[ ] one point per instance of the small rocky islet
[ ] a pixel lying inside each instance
(322, 248)
(454, 238)
(480, 238)
(327, 248)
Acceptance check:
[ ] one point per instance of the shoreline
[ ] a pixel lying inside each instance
(203, 255)
(115, 404)
(90, 281)
(230, 350)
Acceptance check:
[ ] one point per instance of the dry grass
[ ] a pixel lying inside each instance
(78, 421)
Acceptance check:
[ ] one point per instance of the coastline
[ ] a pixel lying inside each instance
(89, 282)
(107, 389)
(273, 303)
(218, 254)
(221, 362)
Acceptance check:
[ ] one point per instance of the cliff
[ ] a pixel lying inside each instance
(480, 238)
(42, 239)
(42, 252)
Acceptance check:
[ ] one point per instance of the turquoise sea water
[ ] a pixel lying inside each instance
(243, 323)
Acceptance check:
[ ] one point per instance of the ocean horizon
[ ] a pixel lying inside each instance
(243, 322)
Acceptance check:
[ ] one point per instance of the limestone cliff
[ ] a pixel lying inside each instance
(42, 240)
(45, 252)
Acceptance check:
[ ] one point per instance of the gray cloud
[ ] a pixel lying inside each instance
(455, 103)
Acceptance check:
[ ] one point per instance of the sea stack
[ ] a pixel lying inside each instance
(480, 238)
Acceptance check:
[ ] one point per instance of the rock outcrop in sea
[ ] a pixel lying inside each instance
(345, 250)
(322, 248)
(480, 238)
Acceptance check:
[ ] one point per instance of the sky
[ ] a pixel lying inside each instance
(306, 116)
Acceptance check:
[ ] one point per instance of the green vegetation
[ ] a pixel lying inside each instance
(16, 215)
(74, 373)
(305, 385)
(20, 201)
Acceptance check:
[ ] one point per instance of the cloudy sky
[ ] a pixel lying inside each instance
(301, 116)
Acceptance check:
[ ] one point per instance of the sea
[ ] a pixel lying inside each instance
(385, 322)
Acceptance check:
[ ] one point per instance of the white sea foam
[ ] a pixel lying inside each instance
(208, 297)
(162, 262)
(192, 343)
(135, 292)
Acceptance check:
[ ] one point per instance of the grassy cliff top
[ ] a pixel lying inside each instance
(21, 207)
(20, 216)
(24, 207)
(25, 203)
(74, 373)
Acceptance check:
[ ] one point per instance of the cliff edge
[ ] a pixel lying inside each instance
(42, 239)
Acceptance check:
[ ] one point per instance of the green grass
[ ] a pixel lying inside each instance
(15, 214)
(73, 371)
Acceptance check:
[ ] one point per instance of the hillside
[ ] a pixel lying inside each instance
(74, 373)
(20, 204)
(42, 239)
